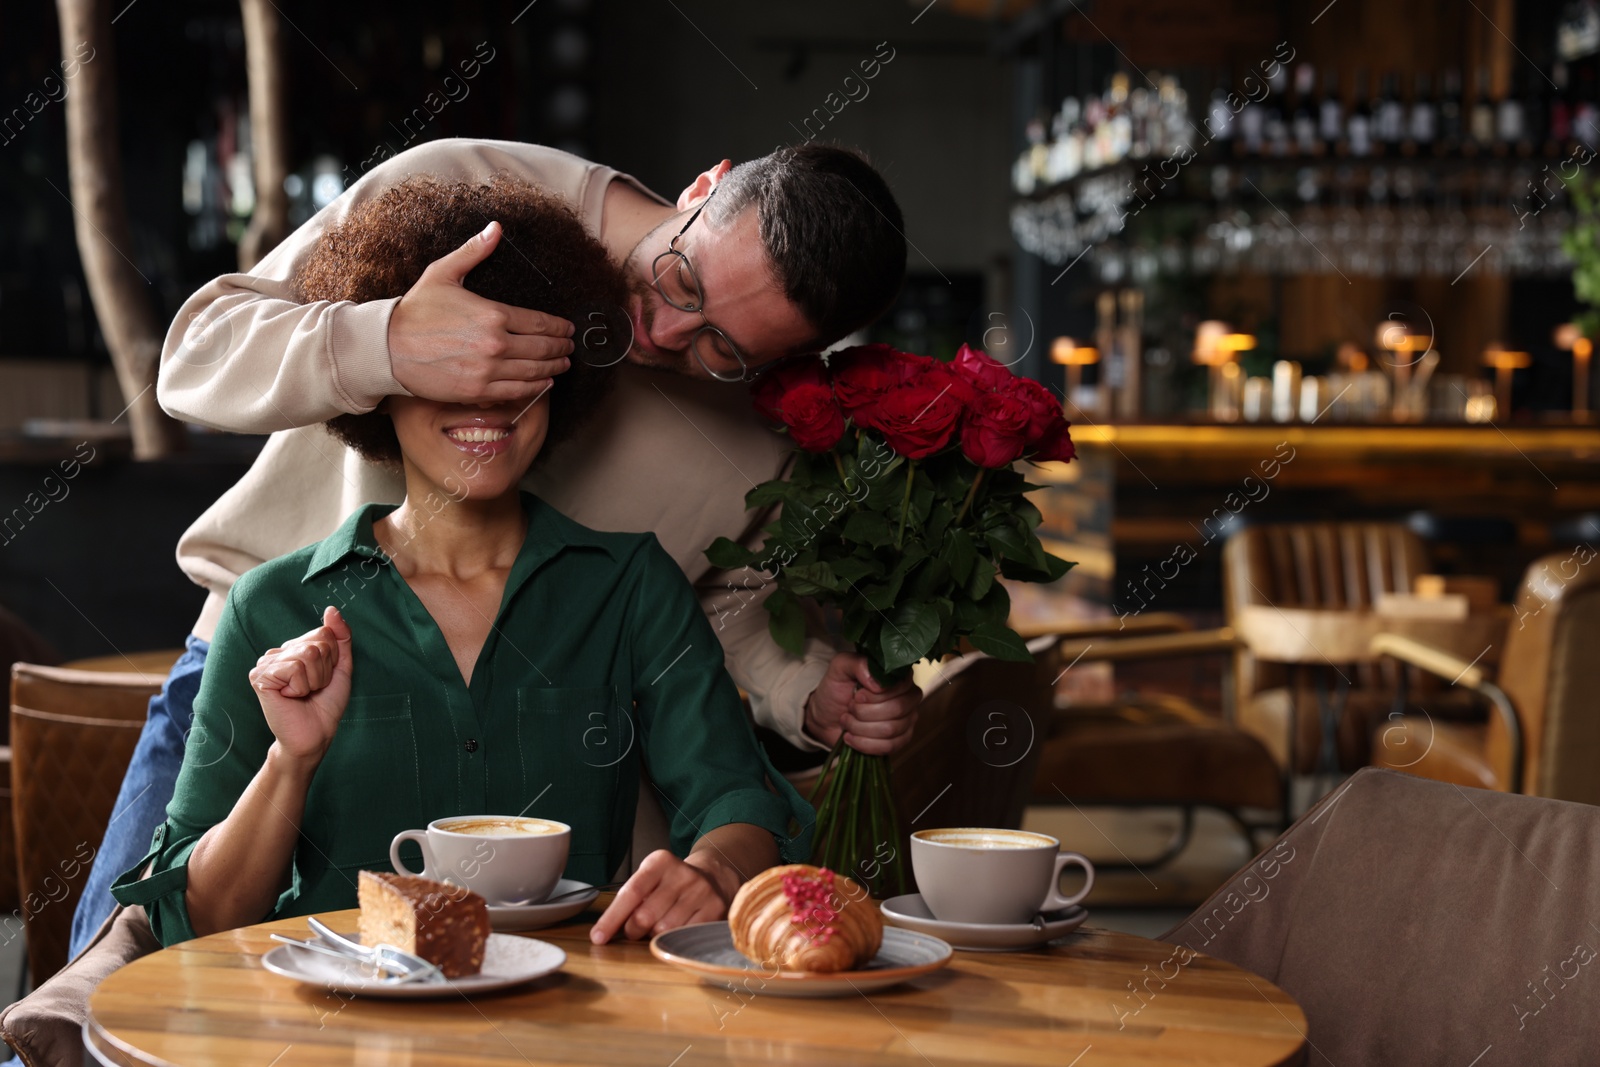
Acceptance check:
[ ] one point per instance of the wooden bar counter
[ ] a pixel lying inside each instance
(1489, 498)
(209, 1001)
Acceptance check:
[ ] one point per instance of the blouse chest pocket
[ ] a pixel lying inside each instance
(575, 745)
(367, 788)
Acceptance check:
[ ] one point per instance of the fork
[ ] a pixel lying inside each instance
(383, 957)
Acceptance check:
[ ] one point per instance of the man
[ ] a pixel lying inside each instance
(780, 257)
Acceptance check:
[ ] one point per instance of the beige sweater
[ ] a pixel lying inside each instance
(664, 454)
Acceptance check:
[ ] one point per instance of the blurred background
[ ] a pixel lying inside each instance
(1285, 264)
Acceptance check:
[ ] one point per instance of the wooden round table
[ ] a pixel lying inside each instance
(209, 1001)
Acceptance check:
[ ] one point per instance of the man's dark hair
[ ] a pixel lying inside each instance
(831, 227)
(546, 260)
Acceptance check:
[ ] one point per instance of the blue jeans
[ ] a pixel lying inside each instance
(146, 788)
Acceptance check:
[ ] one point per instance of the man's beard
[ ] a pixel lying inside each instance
(671, 362)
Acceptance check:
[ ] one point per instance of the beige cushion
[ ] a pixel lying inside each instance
(1418, 922)
(45, 1028)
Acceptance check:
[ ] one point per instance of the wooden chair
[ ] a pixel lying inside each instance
(1319, 567)
(1544, 736)
(72, 735)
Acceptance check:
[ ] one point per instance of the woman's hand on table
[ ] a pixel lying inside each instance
(304, 686)
(874, 718)
(666, 893)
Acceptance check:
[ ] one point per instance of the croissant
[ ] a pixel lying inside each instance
(804, 918)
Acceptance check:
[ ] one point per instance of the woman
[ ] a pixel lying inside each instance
(487, 654)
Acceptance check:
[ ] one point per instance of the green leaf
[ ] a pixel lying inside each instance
(1006, 543)
(811, 579)
(854, 569)
(787, 622)
(962, 555)
(968, 613)
(868, 528)
(908, 634)
(982, 579)
(767, 494)
(728, 555)
(1001, 642)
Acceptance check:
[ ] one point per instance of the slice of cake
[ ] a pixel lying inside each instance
(444, 924)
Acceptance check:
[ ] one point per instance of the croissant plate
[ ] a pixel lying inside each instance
(804, 918)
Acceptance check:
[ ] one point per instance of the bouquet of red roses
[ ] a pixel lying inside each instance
(901, 510)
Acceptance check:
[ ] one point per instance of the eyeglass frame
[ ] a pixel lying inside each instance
(700, 294)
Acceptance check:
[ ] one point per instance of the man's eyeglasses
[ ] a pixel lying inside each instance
(679, 286)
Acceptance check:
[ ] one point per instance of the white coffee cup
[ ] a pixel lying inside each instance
(507, 859)
(980, 875)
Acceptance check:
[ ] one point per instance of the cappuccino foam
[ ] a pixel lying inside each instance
(508, 827)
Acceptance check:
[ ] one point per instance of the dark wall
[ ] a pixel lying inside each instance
(93, 571)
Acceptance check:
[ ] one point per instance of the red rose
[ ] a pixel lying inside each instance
(812, 416)
(917, 419)
(995, 429)
(1055, 444)
(984, 371)
(863, 374)
(768, 393)
(1043, 409)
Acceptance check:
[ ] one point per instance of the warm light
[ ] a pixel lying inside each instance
(1351, 358)
(1398, 337)
(1505, 360)
(1207, 336)
(1066, 351)
(1569, 337)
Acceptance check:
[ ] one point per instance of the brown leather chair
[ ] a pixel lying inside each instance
(1415, 923)
(18, 642)
(1322, 565)
(1544, 738)
(1155, 751)
(72, 735)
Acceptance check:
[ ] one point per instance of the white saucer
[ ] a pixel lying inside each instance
(507, 961)
(911, 912)
(509, 918)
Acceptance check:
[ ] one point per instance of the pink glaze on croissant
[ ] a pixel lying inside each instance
(804, 918)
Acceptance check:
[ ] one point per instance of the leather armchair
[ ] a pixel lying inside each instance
(1544, 736)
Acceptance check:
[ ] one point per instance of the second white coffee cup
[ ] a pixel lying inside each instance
(993, 876)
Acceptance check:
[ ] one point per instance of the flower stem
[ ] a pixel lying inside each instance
(971, 493)
(838, 465)
(905, 504)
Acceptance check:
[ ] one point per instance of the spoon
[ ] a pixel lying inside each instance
(559, 897)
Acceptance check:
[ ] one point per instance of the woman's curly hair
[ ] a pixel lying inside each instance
(546, 260)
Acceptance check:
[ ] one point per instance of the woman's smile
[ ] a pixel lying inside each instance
(481, 435)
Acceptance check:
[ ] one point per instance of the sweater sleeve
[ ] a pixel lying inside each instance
(243, 355)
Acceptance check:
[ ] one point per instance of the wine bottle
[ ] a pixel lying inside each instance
(1480, 128)
(1358, 127)
(1423, 123)
(1510, 127)
(1275, 126)
(1450, 112)
(1330, 113)
(1252, 127)
(1389, 117)
(1558, 131)
(1303, 124)
(1219, 116)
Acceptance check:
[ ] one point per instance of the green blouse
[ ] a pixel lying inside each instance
(599, 662)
